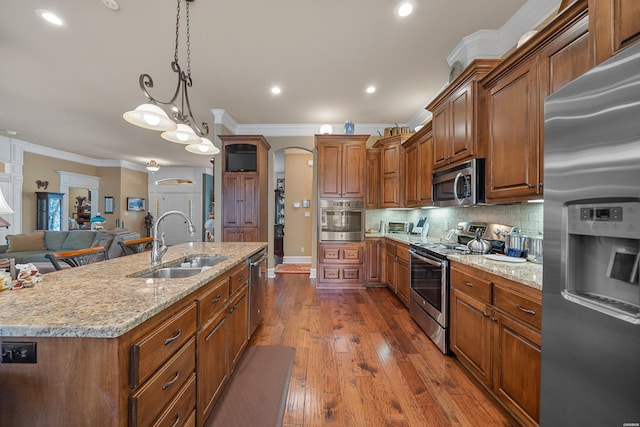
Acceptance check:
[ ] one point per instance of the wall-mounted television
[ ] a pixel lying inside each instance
(241, 158)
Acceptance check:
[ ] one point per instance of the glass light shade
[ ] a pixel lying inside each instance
(182, 135)
(150, 116)
(153, 166)
(205, 147)
(4, 206)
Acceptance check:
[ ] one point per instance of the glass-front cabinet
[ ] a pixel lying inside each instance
(49, 211)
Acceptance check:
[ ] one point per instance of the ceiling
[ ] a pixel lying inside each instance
(66, 88)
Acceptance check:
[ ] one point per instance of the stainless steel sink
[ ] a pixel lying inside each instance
(202, 261)
(170, 273)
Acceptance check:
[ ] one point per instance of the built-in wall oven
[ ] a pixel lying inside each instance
(341, 220)
(428, 305)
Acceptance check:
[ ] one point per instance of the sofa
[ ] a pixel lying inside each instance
(32, 247)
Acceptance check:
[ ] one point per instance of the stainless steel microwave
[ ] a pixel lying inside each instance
(341, 220)
(461, 185)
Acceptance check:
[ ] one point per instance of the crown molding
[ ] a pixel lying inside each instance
(309, 129)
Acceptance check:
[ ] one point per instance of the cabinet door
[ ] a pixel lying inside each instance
(411, 176)
(329, 169)
(374, 250)
(402, 281)
(232, 235)
(372, 196)
(238, 324)
(615, 26)
(514, 152)
(390, 175)
(232, 200)
(390, 271)
(461, 124)
(249, 200)
(441, 136)
(516, 367)
(353, 159)
(212, 366)
(425, 169)
(471, 334)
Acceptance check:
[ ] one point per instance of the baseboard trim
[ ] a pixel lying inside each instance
(296, 260)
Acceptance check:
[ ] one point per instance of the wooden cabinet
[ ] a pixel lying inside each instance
(374, 261)
(341, 166)
(516, 90)
(418, 168)
(244, 193)
(495, 333)
(458, 122)
(397, 269)
(49, 211)
(615, 25)
(392, 170)
(410, 180)
(372, 195)
(238, 324)
(341, 265)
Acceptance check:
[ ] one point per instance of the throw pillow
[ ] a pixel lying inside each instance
(79, 239)
(26, 242)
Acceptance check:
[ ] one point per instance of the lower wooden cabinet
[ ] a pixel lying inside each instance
(397, 269)
(374, 261)
(495, 334)
(341, 265)
(212, 364)
(236, 234)
(238, 324)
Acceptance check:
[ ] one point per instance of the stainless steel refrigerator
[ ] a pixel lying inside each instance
(591, 297)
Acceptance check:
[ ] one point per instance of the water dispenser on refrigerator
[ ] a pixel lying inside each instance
(602, 243)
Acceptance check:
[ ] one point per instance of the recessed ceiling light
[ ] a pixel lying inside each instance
(371, 89)
(405, 9)
(51, 17)
(111, 4)
(276, 90)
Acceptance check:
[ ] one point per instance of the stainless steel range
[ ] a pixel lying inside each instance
(429, 266)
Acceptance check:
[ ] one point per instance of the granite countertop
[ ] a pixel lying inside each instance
(100, 300)
(527, 273)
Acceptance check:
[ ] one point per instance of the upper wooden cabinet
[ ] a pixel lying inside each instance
(372, 196)
(615, 25)
(418, 165)
(514, 103)
(341, 166)
(392, 170)
(244, 188)
(457, 133)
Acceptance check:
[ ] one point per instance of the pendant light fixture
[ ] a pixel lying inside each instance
(153, 166)
(151, 116)
(206, 147)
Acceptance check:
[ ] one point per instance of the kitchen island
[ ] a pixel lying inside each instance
(115, 349)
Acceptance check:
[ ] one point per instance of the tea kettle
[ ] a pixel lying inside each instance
(479, 245)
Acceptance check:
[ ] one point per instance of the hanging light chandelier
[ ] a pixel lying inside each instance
(150, 116)
(153, 166)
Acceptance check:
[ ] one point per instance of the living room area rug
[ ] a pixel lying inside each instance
(257, 391)
(293, 269)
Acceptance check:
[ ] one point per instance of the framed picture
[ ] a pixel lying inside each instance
(136, 204)
(108, 204)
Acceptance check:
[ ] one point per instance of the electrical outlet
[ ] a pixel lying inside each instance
(18, 352)
(302, 249)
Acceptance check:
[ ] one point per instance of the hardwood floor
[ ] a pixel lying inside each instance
(361, 361)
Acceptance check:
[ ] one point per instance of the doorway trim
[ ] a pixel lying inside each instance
(78, 180)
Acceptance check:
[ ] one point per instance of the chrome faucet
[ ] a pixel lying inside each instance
(158, 247)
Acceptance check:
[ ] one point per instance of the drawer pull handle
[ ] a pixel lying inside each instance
(216, 299)
(531, 312)
(168, 384)
(468, 284)
(214, 330)
(177, 421)
(173, 338)
(485, 314)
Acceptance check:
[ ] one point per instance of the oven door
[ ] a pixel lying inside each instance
(341, 224)
(429, 286)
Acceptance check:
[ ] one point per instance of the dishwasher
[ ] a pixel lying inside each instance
(257, 283)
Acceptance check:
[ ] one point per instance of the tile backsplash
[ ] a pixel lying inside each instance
(526, 216)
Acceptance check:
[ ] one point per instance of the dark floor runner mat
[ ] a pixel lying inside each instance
(256, 395)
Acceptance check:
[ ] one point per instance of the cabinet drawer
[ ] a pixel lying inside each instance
(331, 254)
(147, 402)
(212, 301)
(152, 350)
(239, 278)
(471, 285)
(402, 252)
(518, 306)
(347, 253)
(352, 254)
(330, 273)
(390, 248)
(181, 407)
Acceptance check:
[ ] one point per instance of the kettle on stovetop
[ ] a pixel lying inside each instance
(479, 245)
